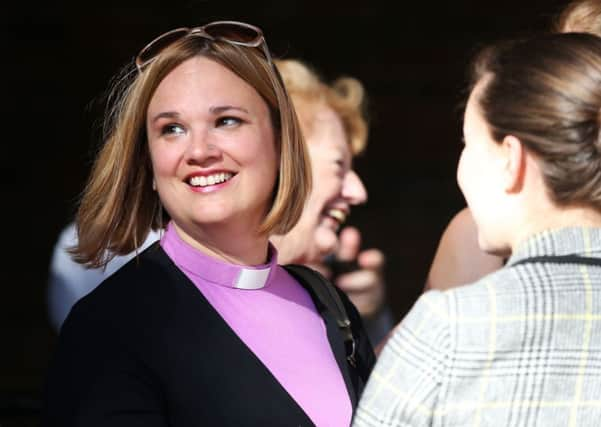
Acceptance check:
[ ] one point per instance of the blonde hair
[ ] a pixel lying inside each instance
(581, 16)
(345, 96)
(119, 207)
(546, 91)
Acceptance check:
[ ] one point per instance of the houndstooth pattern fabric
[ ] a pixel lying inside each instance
(520, 347)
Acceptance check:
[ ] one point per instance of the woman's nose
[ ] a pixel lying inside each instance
(201, 148)
(353, 189)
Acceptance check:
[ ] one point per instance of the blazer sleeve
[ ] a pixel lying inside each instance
(404, 386)
(96, 378)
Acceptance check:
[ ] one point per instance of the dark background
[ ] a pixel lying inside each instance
(60, 57)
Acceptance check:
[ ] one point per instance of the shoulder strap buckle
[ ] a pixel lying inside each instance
(326, 293)
(351, 357)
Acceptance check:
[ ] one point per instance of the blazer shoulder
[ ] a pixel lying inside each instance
(144, 285)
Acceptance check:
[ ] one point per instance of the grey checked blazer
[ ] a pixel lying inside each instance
(520, 347)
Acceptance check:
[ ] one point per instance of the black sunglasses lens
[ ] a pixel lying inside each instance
(233, 32)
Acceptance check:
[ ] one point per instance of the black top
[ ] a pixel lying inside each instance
(145, 348)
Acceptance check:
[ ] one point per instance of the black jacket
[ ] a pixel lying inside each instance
(145, 348)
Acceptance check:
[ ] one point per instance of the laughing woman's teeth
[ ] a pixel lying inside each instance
(338, 215)
(203, 181)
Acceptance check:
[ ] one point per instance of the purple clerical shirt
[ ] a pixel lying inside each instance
(276, 318)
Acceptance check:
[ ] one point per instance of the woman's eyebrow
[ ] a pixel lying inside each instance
(167, 115)
(221, 109)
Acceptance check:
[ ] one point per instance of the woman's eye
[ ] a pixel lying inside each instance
(228, 121)
(172, 129)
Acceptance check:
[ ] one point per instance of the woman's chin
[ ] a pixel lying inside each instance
(326, 241)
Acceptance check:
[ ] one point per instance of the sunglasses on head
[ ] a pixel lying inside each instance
(237, 33)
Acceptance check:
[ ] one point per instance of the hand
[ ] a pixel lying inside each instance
(365, 287)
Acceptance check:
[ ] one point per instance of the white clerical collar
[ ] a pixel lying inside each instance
(214, 270)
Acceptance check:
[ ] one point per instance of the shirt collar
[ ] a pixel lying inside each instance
(582, 241)
(216, 271)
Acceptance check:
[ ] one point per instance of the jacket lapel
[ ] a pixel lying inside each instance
(212, 329)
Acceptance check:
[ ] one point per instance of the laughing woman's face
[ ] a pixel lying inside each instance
(336, 187)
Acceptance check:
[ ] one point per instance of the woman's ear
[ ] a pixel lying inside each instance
(515, 163)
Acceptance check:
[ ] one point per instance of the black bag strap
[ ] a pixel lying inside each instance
(560, 259)
(329, 297)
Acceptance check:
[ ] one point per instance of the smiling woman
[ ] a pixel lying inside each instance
(220, 127)
(335, 129)
(205, 143)
(333, 120)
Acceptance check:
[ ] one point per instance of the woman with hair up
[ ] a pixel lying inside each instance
(203, 327)
(333, 120)
(458, 259)
(519, 346)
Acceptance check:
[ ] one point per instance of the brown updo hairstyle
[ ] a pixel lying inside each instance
(546, 91)
(580, 16)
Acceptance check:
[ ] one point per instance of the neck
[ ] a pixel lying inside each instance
(232, 246)
(557, 217)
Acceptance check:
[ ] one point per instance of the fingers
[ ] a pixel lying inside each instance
(365, 288)
(349, 243)
(371, 259)
(358, 281)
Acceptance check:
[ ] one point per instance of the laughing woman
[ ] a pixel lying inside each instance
(203, 328)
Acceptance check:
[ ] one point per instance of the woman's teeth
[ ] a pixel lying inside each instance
(337, 214)
(203, 181)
